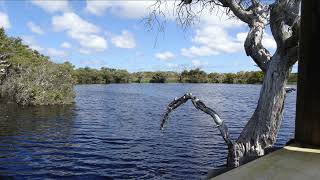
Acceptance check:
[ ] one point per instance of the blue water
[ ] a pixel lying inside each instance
(112, 132)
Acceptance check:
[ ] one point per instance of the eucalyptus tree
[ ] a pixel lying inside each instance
(283, 19)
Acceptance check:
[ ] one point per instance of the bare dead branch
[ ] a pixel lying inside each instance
(198, 104)
(238, 10)
(5, 56)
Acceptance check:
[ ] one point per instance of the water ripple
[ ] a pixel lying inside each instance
(112, 132)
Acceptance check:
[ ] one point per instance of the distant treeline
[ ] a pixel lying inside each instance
(108, 75)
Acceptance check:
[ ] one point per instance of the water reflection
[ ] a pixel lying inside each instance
(44, 120)
(32, 134)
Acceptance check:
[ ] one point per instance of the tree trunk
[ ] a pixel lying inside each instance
(261, 130)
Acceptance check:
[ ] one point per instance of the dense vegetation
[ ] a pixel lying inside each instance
(32, 78)
(107, 75)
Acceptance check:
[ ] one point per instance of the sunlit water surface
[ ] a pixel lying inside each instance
(112, 131)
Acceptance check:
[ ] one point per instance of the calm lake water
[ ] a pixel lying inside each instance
(112, 131)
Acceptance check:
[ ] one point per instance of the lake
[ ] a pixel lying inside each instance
(112, 132)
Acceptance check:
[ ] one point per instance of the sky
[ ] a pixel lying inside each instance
(114, 34)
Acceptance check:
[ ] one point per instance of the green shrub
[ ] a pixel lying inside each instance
(158, 78)
(44, 84)
(33, 79)
(195, 76)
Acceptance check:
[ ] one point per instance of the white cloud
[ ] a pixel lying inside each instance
(94, 63)
(91, 41)
(83, 31)
(124, 9)
(212, 35)
(84, 51)
(30, 41)
(65, 45)
(72, 22)
(164, 55)
(212, 40)
(241, 36)
(125, 40)
(52, 5)
(171, 65)
(98, 7)
(198, 51)
(217, 39)
(267, 40)
(55, 52)
(218, 17)
(198, 64)
(4, 21)
(34, 28)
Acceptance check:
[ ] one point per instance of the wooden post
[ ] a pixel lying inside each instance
(307, 130)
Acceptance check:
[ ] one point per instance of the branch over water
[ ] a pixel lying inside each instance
(198, 104)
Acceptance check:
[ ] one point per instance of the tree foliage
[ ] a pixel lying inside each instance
(33, 79)
(107, 75)
(158, 78)
(194, 76)
(103, 76)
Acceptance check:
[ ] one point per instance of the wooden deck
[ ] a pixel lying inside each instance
(292, 163)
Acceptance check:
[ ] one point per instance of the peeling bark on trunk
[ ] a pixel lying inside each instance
(261, 130)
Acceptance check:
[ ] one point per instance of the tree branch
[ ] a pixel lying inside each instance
(5, 55)
(256, 16)
(285, 22)
(285, 27)
(244, 15)
(255, 3)
(200, 106)
(254, 48)
(292, 43)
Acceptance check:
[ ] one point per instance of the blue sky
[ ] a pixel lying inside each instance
(111, 34)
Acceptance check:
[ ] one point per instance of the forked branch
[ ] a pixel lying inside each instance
(200, 106)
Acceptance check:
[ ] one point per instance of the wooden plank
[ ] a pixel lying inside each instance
(291, 162)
